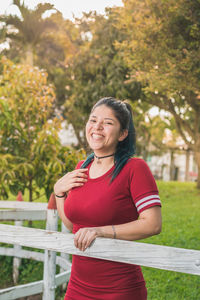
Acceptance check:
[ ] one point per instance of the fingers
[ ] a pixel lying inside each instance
(77, 179)
(84, 237)
(70, 180)
(79, 173)
(75, 184)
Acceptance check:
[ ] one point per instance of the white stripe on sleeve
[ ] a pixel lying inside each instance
(157, 201)
(146, 198)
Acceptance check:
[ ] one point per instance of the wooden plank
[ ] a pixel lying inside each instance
(29, 289)
(22, 253)
(16, 260)
(23, 205)
(66, 256)
(19, 291)
(50, 259)
(63, 277)
(161, 257)
(20, 215)
(60, 261)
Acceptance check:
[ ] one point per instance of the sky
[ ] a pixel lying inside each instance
(66, 7)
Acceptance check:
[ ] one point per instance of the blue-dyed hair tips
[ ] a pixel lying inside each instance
(126, 148)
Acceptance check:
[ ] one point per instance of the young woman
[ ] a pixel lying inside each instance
(110, 195)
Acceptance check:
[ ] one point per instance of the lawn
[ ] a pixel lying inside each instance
(181, 228)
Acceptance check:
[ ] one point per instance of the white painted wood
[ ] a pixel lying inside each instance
(22, 253)
(61, 262)
(23, 205)
(19, 291)
(66, 256)
(30, 288)
(50, 259)
(64, 229)
(16, 260)
(22, 215)
(63, 277)
(161, 257)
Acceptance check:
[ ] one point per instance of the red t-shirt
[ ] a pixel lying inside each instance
(98, 203)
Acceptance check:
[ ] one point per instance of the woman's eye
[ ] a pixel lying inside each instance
(92, 121)
(108, 123)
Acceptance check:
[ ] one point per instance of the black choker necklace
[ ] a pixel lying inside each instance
(100, 157)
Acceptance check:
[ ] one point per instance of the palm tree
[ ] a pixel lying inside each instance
(29, 29)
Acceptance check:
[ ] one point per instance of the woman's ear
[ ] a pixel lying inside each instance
(123, 135)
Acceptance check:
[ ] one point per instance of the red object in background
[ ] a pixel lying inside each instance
(193, 174)
(19, 196)
(52, 202)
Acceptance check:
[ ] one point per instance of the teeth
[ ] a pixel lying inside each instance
(96, 136)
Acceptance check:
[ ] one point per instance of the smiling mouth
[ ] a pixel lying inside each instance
(96, 136)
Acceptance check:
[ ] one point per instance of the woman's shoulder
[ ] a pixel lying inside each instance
(136, 165)
(136, 162)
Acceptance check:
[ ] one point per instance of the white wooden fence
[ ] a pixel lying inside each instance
(20, 211)
(156, 256)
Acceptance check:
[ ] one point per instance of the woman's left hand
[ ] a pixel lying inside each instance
(85, 236)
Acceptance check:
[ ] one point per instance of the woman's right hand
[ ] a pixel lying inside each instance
(69, 181)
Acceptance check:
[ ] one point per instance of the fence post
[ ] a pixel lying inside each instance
(50, 256)
(17, 248)
(64, 255)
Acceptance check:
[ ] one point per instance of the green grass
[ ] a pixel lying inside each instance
(181, 228)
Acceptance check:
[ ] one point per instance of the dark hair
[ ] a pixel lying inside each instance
(126, 148)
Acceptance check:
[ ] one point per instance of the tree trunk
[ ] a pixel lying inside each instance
(145, 153)
(197, 158)
(30, 198)
(172, 165)
(29, 55)
(198, 178)
(82, 143)
(30, 191)
(187, 162)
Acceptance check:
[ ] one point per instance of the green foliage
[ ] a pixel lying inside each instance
(150, 130)
(31, 154)
(53, 53)
(6, 271)
(92, 67)
(162, 49)
(98, 70)
(30, 271)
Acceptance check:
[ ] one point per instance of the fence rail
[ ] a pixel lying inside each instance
(32, 288)
(156, 256)
(23, 205)
(20, 211)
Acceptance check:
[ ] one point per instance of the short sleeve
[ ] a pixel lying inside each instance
(143, 187)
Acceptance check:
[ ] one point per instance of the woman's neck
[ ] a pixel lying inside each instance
(104, 160)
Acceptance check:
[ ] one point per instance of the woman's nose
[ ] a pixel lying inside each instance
(98, 125)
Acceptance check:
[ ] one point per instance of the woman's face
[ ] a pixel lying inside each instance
(103, 130)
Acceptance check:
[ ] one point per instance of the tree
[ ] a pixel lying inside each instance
(162, 49)
(28, 30)
(54, 53)
(31, 156)
(96, 70)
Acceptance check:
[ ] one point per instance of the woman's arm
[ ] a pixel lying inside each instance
(148, 224)
(60, 208)
(63, 186)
